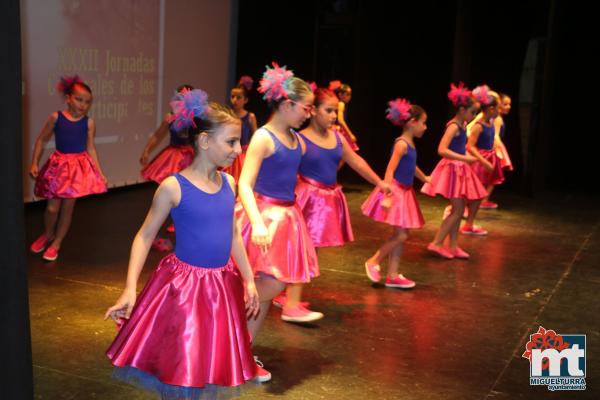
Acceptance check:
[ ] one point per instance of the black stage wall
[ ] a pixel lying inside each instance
(16, 381)
(415, 49)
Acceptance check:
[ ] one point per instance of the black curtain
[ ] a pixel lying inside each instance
(16, 381)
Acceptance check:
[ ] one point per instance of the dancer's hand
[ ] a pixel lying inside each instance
(123, 306)
(251, 299)
(261, 237)
(428, 179)
(385, 187)
(387, 202)
(33, 170)
(470, 159)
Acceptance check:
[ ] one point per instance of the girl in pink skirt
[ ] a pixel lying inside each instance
(453, 177)
(344, 94)
(481, 144)
(400, 209)
(319, 196)
(277, 240)
(72, 171)
(173, 158)
(503, 110)
(185, 336)
(504, 105)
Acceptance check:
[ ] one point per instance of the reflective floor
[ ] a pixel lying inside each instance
(459, 334)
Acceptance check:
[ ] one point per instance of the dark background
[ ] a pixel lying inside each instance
(415, 49)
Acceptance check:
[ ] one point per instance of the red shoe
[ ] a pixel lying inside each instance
(440, 251)
(489, 205)
(40, 244)
(300, 314)
(171, 228)
(262, 375)
(399, 282)
(460, 253)
(50, 254)
(279, 300)
(473, 230)
(373, 272)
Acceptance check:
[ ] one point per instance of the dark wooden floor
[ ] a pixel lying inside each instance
(458, 335)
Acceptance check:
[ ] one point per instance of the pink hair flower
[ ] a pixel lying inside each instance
(273, 83)
(398, 111)
(459, 95)
(187, 105)
(313, 86)
(334, 85)
(246, 81)
(66, 83)
(482, 94)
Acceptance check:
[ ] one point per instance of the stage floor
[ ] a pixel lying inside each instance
(459, 334)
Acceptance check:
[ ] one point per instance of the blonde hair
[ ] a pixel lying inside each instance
(216, 116)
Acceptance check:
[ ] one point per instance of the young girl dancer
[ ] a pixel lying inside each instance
(504, 106)
(174, 157)
(453, 176)
(401, 209)
(239, 99)
(481, 145)
(319, 196)
(186, 335)
(277, 240)
(177, 155)
(344, 94)
(72, 171)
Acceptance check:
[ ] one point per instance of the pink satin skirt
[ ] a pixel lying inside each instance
(187, 330)
(502, 154)
(69, 176)
(404, 211)
(291, 257)
(493, 177)
(169, 161)
(325, 211)
(454, 179)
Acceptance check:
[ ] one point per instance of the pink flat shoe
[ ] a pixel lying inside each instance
(40, 244)
(373, 272)
(460, 253)
(50, 254)
(440, 251)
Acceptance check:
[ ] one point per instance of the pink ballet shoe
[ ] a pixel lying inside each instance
(373, 272)
(399, 282)
(459, 253)
(440, 251)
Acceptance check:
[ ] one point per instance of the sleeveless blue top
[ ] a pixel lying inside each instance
(246, 130)
(459, 143)
(277, 175)
(203, 224)
(178, 138)
(502, 127)
(319, 163)
(485, 141)
(70, 136)
(405, 171)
